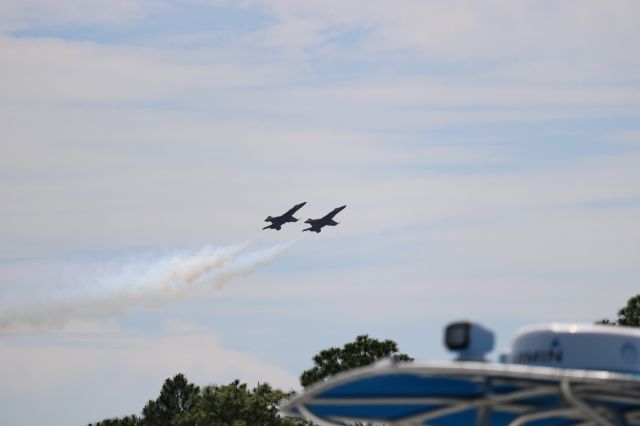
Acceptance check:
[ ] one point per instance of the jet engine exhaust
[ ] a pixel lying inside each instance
(133, 283)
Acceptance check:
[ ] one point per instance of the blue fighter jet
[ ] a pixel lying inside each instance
(318, 224)
(278, 221)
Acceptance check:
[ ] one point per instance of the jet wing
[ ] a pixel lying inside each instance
(294, 209)
(334, 212)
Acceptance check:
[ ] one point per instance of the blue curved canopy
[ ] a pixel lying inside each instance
(463, 393)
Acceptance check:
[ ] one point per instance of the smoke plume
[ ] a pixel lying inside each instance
(113, 290)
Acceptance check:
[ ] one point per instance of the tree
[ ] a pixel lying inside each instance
(363, 351)
(184, 404)
(125, 421)
(628, 315)
(236, 405)
(177, 400)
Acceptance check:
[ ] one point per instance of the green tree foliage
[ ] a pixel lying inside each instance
(175, 404)
(628, 315)
(184, 404)
(236, 405)
(124, 421)
(363, 351)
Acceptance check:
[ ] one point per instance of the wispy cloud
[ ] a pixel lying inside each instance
(16, 15)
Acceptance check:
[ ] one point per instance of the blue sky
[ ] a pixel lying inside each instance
(488, 152)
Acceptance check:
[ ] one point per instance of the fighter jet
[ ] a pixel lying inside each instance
(278, 221)
(318, 224)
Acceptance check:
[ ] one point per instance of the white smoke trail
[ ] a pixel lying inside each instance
(245, 265)
(140, 283)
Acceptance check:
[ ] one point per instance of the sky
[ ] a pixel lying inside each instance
(488, 154)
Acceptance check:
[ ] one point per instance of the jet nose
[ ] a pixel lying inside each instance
(342, 208)
(301, 204)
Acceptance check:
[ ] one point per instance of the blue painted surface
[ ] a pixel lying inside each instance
(404, 385)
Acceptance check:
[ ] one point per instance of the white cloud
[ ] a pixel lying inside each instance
(54, 71)
(24, 14)
(533, 40)
(630, 137)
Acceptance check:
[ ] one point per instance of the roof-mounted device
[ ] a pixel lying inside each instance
(470, 340)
